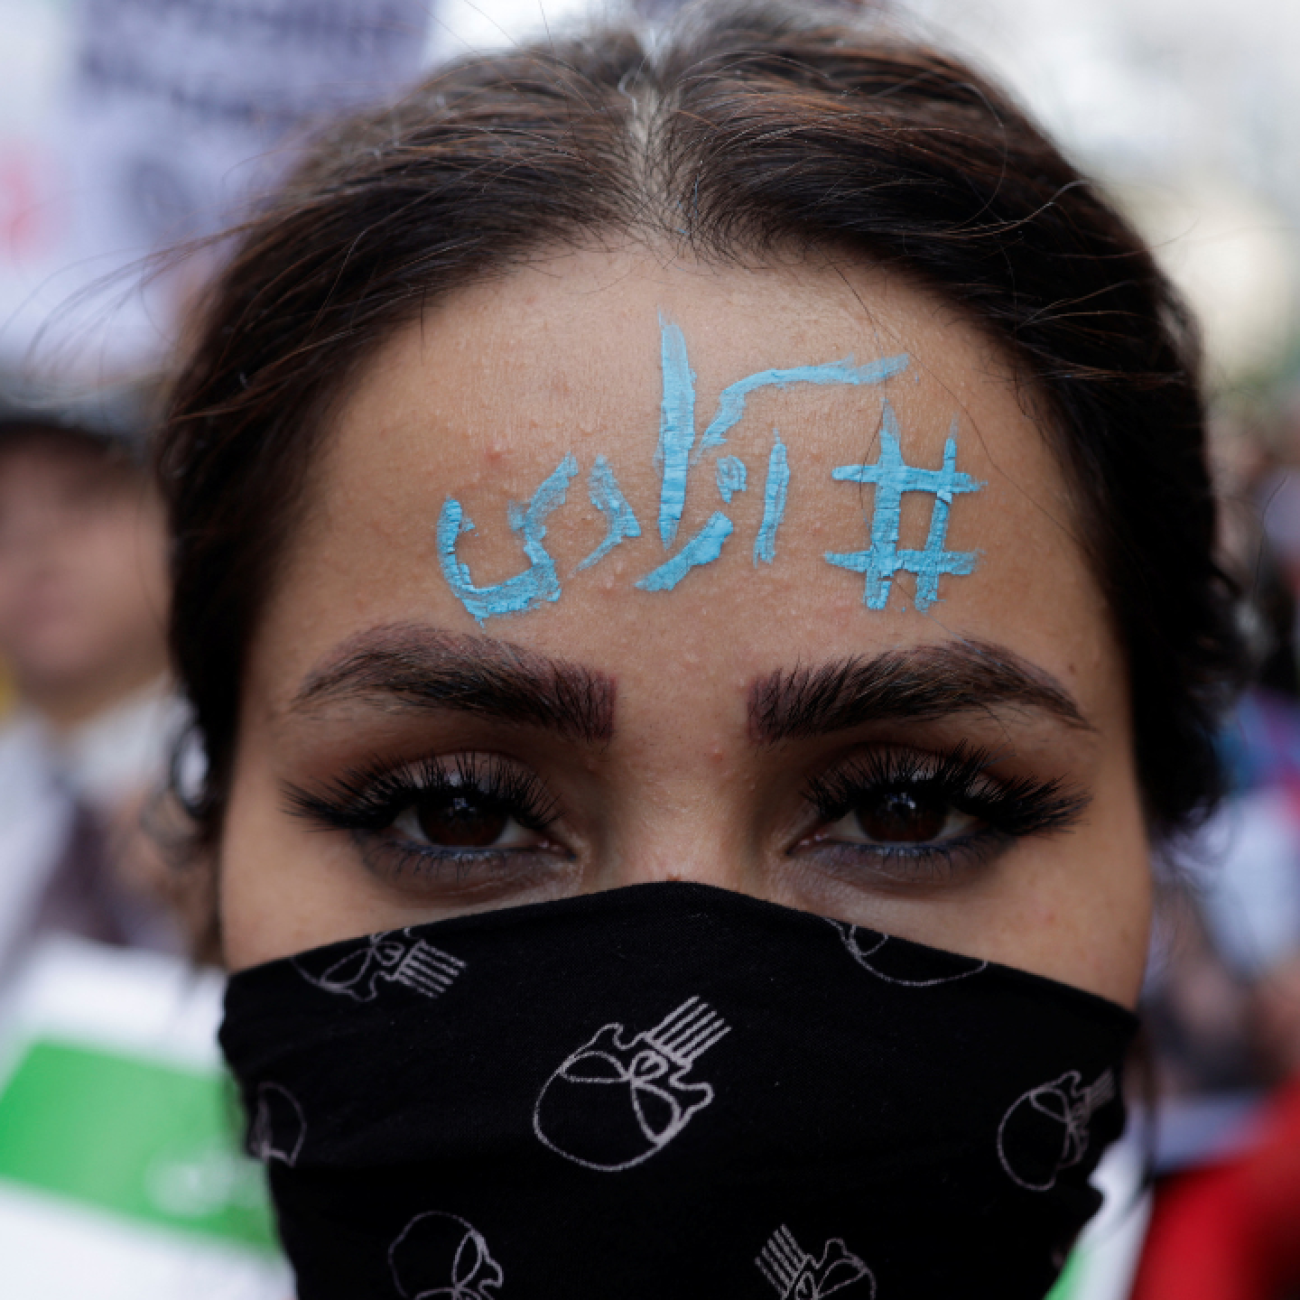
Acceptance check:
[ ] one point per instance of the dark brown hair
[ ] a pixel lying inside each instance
(736, 132)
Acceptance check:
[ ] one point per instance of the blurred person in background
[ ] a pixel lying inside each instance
(1223, 1000)
(1272, 735)
(82, 609)
(1224, 988)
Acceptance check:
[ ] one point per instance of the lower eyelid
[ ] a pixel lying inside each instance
(392, 860)
(402, 843)
(924, 862)
(373, 794)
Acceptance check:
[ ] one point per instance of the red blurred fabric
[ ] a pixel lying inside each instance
(1231, 1231)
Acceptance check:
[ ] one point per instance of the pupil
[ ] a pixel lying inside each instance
(903, 816)
(460, 822)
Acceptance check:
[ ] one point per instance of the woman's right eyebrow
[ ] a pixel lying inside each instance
(409, 666)
(911, 684)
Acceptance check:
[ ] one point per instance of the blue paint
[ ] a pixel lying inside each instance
(607, 497)
(703, 548)
(525, 590)
(676, 428)
(778, 481)
(731, 405)
(892, 477)
(733, 477)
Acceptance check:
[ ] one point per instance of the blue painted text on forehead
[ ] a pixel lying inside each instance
(677, 453)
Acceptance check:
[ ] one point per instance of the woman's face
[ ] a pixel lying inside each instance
(722, 638)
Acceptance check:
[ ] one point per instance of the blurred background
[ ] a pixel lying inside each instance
(127, 126)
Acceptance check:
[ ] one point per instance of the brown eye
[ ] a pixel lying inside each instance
(903, 816)
(461, 821)
(464, 819)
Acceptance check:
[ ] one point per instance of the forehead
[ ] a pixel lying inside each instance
(581, 424)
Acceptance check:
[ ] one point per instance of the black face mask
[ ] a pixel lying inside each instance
(671, 1091)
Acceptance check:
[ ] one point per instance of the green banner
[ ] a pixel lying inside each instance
(1068, 1282)
(151, 1141)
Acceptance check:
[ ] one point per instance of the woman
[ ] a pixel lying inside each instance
(654, 516)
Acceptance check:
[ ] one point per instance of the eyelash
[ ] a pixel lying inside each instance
(1007, 809)
(367, 800)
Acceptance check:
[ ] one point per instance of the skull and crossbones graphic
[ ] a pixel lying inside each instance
(394, 958)
(617, 1101)
(1046, 1129)
(440, 1256)
(796, 1275)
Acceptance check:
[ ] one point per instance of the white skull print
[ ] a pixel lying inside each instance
(899, 963)
(278, 1128)
(617, 1101)
(1046, 1129)
(398, 958)
(439, 1256)
(796, 1275)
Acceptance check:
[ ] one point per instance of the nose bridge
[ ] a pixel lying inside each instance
(704, 864)
(680, 793)
(688, 826)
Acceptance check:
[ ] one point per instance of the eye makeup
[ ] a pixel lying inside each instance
(472, 819)
(886, 815)
(919, 817)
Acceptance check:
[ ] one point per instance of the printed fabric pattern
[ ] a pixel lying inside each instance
(671, 1090)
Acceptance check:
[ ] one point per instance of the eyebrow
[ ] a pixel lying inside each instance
(409, 666)
(903, 685)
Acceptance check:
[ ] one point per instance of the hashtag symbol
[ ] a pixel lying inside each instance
(892, 476)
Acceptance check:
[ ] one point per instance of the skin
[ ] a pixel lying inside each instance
(82, 578)
(480, 401)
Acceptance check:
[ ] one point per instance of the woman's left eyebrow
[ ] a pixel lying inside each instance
(911, 684)
(408, 665)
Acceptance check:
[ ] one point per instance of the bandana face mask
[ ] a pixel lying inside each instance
(671, 1090)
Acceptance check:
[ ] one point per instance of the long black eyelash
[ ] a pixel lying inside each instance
(1013, 807)
(370, 797)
